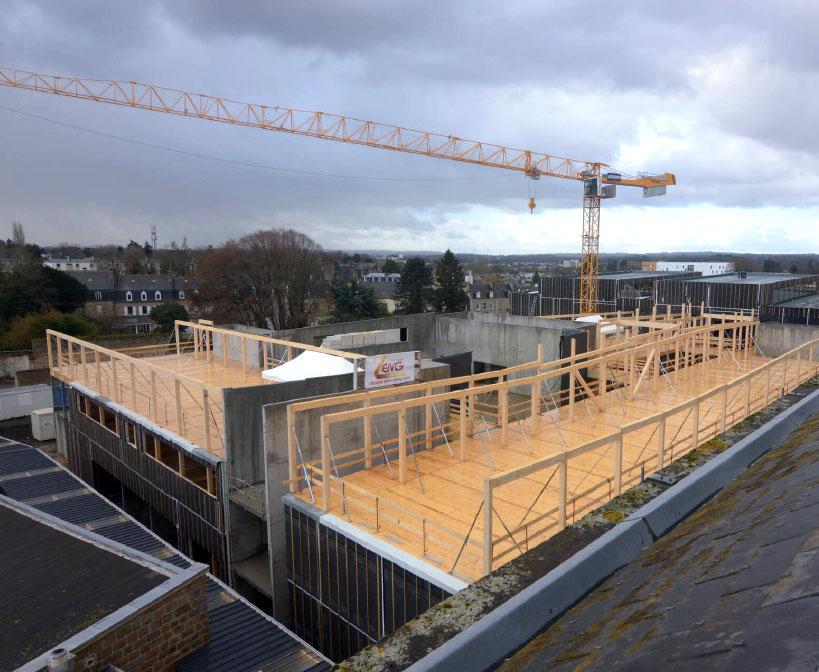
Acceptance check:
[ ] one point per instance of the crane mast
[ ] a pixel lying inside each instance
(339, 128)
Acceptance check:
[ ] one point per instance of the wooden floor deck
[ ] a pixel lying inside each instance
(447, 494)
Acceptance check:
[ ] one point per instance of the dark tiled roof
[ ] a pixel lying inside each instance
(732, 587)
(93, 280)
(55, 585)
(144, 282)
(241, 638)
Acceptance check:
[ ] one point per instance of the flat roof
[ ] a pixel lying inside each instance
(57, 585)
(811, 301)
(240, 637)
(638, 275)
(750, 278)
(731, 587)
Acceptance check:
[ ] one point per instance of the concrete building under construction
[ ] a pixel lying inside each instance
(347, 512)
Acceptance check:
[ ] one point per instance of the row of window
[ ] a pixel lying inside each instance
(199, 474)
(143, 296)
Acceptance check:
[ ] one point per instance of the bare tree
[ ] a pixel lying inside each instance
(265, 275)
(18, 236)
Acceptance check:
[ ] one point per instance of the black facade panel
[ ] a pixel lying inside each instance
(350, 596)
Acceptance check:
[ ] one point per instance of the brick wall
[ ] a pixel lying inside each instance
(154, 638)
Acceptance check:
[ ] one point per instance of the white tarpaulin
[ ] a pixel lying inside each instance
(309, 364)
(594, 319)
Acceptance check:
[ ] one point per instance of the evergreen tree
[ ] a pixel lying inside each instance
(450, 296)
(413, 291)
(390, 266)
(353, 301)
(536, 278)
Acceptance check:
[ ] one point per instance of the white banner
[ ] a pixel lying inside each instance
(391, 369)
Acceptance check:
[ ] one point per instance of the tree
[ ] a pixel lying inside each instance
(390, 266)
(793, 268)
(450, 296)
(266, 275)
(32, 288)
(353, 300)
(134, 258)
(25, 329)
(178, 259)
(413, 291)
(18, 236)
(165, 314)
(536, 278)
(771, 266)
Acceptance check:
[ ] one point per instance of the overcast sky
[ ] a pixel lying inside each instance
(722, 94)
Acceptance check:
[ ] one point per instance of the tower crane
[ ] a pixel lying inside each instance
(599, 180)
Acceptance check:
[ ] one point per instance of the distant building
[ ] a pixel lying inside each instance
(69, 264)
(491, 298)
(704, 267)
(385, 294)
(129, 299)
(382, 277)
(570, 263)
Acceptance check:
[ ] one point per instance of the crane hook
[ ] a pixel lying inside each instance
(531, 205)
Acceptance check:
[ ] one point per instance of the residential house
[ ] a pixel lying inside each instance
(489, 298)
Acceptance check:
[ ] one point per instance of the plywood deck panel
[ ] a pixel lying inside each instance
(451, 492)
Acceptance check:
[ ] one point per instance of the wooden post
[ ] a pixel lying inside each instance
(325, 465)
(661, 443)
(748, 397)
(534, 402)
(48, 348)
(225, 347)
(721, 337)
(115, 378)
(784, 375)
(292, 452)
(571, 378)
(488, 541)
(206, 412)
(60, 354)
(462, 428)
(133, 388)
(695, 430)
(97, 370)
(563, 484)
(539, 355)
(84, 362)
(767, 383)
(176, 338)
(602, 375)
(503, 398)
(244, 356)
(723, 416)
(668, 312)
(368, 437)
(428, 420)
(402, 446)
(153, 395)
(618, 464)
(70, 358)
(177, 390)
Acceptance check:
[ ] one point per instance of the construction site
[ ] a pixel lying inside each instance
(347, 508)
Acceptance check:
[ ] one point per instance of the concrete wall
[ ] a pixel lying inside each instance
(420, 333)
(503, 340)
(775, 339)
(244, 429)
(308, 432)
(12, 362)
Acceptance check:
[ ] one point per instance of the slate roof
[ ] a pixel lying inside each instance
(56, 585)
(93, 280)
(732, 587)
(241, 638)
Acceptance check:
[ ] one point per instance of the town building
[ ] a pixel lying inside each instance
(69, 264)
(489, 298)
(741, 291)
(381, 277)
(702, 267)
(622, 291)
(86, 556)
(129, 298)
